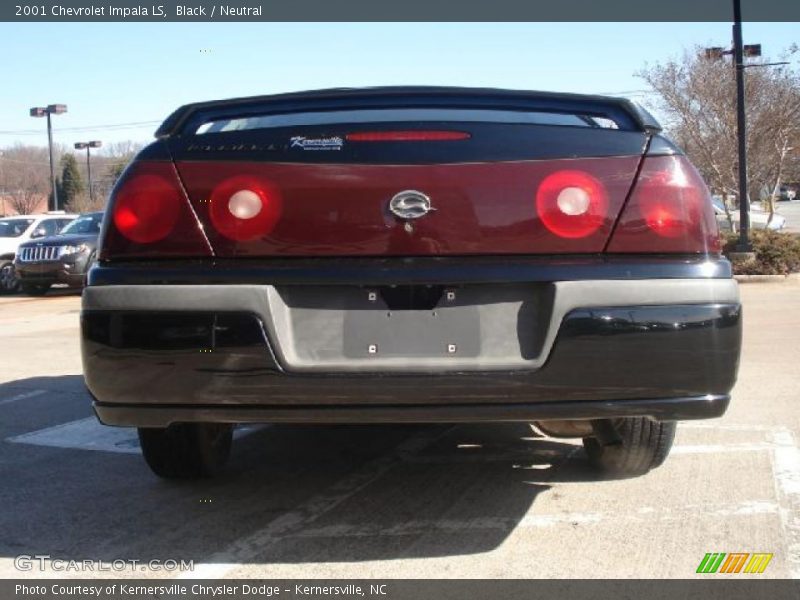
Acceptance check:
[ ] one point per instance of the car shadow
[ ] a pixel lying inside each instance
(291, 493)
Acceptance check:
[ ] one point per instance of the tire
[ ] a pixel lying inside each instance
(9, 283)
(35, 289)
(643, 444)
(187, 450)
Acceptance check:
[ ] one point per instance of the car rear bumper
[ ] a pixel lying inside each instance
(668, 409)
(591, 348)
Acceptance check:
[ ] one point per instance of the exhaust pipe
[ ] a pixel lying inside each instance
(605, 432)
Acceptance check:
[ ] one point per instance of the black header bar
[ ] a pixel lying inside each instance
(393, 10)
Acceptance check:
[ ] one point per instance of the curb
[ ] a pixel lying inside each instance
(767, 278)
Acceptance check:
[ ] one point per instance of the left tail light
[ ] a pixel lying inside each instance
(150, 216)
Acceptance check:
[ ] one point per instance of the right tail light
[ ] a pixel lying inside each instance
(572, 204)
(669, 211)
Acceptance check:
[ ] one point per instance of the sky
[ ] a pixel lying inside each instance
(119, 80)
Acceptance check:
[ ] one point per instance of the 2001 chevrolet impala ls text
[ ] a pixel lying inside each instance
(410, 255)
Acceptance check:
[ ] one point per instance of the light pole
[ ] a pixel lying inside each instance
(739, 52)
(51, 109)
(88, 146)
(741, 131)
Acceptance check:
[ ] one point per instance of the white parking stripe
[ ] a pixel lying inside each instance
(23, 396)
(544, 520)
(84, 434)
(246, 549)
(723, 427)
(720, 448)
(786, 467)
(90, 434)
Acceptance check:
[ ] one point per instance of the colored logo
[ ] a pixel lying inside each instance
(734, 562)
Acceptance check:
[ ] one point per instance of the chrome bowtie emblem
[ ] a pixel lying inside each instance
(410, 204)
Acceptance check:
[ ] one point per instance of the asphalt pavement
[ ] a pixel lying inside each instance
(394, 501)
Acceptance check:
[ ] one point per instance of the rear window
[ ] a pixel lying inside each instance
(84, 224)
(11, 228)
(406, 115)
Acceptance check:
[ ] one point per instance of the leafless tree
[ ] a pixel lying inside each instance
(698, 97)
(24, 177)
(108, 165)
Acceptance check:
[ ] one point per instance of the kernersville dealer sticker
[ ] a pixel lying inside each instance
(316, 143)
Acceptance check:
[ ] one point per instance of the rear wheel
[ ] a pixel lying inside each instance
(187, 450)
(8, 277)
(630, 446)
(35, 289)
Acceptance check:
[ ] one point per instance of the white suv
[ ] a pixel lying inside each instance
(18, 229)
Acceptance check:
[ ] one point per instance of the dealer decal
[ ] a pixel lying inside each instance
(734, 562)
(316, 143)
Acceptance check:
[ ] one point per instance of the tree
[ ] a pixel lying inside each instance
(24, 177)
(698, 97)
(71, 184)
(111, 163)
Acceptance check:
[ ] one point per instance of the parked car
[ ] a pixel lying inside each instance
(410, 255)
(759, 219)
(62, 258)
(17, 230)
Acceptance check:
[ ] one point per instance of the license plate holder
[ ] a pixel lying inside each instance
(440, 332)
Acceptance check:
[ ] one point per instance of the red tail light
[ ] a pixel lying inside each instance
(342, 209)
(669, 211)
(572, 204)
(245, 208)
(147, 206)
(407, 136)
(151, 216)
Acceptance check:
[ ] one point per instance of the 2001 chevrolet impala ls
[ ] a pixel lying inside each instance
(410, 255)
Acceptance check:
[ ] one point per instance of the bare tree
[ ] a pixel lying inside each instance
(698, 97)
(109, 164)
(83, 202)
(24, 177)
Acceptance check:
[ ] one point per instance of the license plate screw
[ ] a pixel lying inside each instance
(372, 296)
(450, 295)
(451, 348)
(372, 348)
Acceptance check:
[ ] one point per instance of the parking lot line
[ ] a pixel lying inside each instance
(786, 469)
(245, 549)
(543, 520)
(725, 427)
(90, 434)
(720, 448)
(23, 396)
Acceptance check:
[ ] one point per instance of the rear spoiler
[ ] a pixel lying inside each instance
(626, 114)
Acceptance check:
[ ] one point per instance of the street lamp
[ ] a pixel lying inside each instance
(739, 52)
(738, 57)
(88, 146)
(51, 109)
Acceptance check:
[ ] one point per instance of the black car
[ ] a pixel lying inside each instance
(410, 255)
(62, 258)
